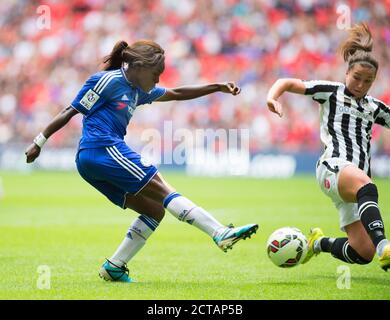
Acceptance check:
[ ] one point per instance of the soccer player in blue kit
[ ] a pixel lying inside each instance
(107, 101)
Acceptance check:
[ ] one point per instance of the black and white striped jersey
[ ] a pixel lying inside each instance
(346, 122)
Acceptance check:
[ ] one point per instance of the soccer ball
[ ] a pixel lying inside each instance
(287, 247)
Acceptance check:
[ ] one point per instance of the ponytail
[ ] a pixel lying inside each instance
(358, 46)
(142, 53)
(115, 59)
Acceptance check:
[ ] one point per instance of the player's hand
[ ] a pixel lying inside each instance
(230, 87)
(275, 107)
(32, 152)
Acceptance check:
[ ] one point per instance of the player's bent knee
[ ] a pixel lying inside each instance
(364, 255)
(366, 259)
(352, 179)
(368, 190)
(361, 178)
(368, 254)
(364, 181)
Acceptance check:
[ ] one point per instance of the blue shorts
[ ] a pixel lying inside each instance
(114, 171)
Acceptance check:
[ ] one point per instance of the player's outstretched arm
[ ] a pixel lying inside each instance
(60, 120)
(195, 91)
(278, 88)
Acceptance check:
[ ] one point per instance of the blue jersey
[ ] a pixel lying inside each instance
(108, 100)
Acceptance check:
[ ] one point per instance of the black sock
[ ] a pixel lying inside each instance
(326, 244)
(370, 216)
(341, 249)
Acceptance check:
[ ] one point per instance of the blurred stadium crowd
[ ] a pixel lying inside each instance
(252, 42)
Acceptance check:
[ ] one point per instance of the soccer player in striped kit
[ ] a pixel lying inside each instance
(347, 114)
(107, 101)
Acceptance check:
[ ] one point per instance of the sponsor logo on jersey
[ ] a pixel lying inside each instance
(354, 112)
(126, 103)
(121, 105)
(131, 109)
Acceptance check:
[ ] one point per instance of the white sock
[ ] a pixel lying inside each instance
(185, 210)
(381, 245)
(317, 246)
(135, 239)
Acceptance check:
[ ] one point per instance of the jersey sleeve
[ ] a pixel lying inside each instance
(88, 98)
(382, 114)
(320, 90)
(156, 93)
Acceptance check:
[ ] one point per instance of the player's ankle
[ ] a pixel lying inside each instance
(317, 246)
(115, 263)
(381, 246)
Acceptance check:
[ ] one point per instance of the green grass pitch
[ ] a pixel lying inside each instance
(58, 220)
